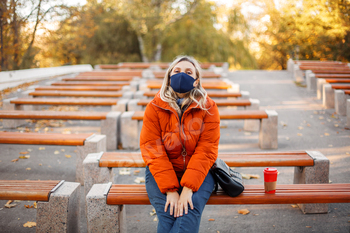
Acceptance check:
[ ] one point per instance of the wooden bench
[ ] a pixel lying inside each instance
(99, 78)
(205, 74)
(78, 88)
(57, 202)
(131, 125)
(101, 83)
(109, 121)
(110, 200)
(100, 94)
(328, 93)
(86, 143)
(147, 65)
(133, 73)
(19, 103)
(314, 80)
(211, 94)
(310, 166)
(340, 99)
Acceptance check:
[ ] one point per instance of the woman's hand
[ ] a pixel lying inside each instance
(184, 201)
(172, 199)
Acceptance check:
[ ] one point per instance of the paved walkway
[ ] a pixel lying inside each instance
(303, 125)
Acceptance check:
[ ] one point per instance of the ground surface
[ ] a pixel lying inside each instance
(303, 125)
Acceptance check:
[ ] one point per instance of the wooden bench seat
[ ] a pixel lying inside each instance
(65, 101)
(321, 67)
(211, 94)
(86, 143)
(79, 88)
(99, 78)
(131, 124)
(328, 95)
(109, 121)
(102, 83)
(331, 71)
(103, 94)
(135, 73)
(330, 75)
(205, 85)
(337, 80)
(205, 74)
(57, 202)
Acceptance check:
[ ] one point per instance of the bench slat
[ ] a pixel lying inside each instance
(18, 114)
(79, 88)
(112, 73)
(224, 114)
(219, 86)
(338, 80)
(212, 94)
(43, 139)
(100, 78)
(102, 83)
(278, 159)
(340, 86)
(64, 101)
(26, 190)
(219, 102)
(331, 71)
(332, 76)
(253, 194)
(108, 94)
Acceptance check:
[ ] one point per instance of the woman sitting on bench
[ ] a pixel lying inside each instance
(179, 144)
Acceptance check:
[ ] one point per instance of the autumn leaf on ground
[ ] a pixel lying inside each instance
(56, 152)
(35, 205)
(24, 152)
(68, 156)
(308, 226)
(299, 134)
(30, 224)
(211, 219)
(223, 126)
(14, 160)
(294, 206)
(243, 211)
(24, 157)
(124, 171)
(139, 180)
(28, 169)
(326, 134)
(136, 172)
(300, 127)
(9, 205)
(29, 206)
(155, 219)
(41, 148)
(153, 212)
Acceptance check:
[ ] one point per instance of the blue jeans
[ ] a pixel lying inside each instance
(186, 223)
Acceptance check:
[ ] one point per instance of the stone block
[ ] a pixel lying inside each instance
(111, 128)
(140, 95)
(148, 74)
(128, 95)
(93, 144)
(328, 96)
(112, 220)
(320, 83)
(132, 105)
(340, 102)
(93, 173)
(144, 87)
(61, 213)
(290, 65)
(348, 113)
(121, 105)
(317, 174)
(310, 81)
(252, 125)
(268, 134)
(234, 86)
(245, 94)
(129, 131)
(12, 123)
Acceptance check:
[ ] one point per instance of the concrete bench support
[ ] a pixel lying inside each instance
(61, 213)
(348, 113)
(328, 96)
(102, 217)
(129, 131)
(132, 105)
(93, 144)
(12, 123)
(340, 102)
(320, 83)
(120, 106)
(317, 174)
(310, 81)
(140, 95)
(252, 125)
(110, 127)
(268, 137)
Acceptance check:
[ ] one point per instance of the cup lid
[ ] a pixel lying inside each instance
(270, 170)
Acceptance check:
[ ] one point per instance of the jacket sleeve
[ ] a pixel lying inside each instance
(154, 153)
(205, 153)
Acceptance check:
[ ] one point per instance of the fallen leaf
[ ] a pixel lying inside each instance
(247, 133)
(155, 219)
(41, 148)
(139, 180)
(35, 205)
(348, 153)
(308, 125)
(243, 211)
(124, 171)
(211, 219)
(56, 152)
(62, 150)
(255, 214)
(24, 152)
(326, 134)
(336, 125)
(287, 138)
(300, 127)
(321, 117)
(308, 226)
(14, 160)
(330, 145)
(28, 169)
(299, 134)
(40, 164)
(223, 126)
(30, 224)
(9, 205)
(153, 212)
(29, 150)
(28, 206)
(24, 157)
(136, 172)
(68, 156)
(295, 206)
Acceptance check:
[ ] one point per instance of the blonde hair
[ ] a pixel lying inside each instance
(197, 94)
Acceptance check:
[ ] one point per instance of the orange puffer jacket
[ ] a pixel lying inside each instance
(163, 138)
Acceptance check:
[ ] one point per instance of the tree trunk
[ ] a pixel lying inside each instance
(2, 10)
(15, 36)
(158, 53)
(142, 49)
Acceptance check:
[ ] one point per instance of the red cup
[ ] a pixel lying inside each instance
(270, 179)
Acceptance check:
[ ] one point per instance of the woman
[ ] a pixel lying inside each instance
(179, 144)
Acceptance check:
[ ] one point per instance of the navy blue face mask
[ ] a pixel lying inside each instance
(182, 82)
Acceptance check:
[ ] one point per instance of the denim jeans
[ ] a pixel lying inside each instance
(186, 223)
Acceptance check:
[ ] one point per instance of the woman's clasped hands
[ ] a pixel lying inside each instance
(179, 203)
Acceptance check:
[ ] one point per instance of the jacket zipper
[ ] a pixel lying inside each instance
(184, 152)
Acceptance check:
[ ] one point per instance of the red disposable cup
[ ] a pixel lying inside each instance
(270, 179)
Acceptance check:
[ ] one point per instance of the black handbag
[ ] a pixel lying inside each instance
(230, 181)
